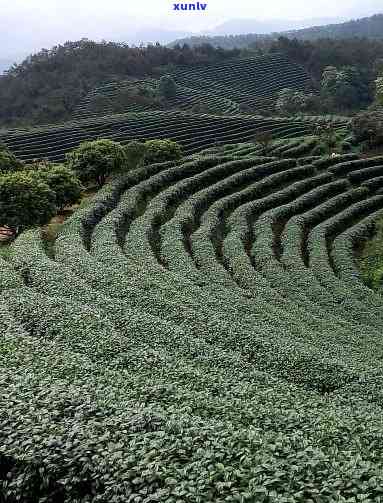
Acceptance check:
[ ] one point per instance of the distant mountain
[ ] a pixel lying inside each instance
(369, 27)
(242, 26)
(153, 35)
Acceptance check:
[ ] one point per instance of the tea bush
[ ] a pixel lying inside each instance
(200, 334)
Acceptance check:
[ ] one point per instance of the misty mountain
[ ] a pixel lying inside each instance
(230, 27)
(151, 35)
(369, 27)
(242, 26)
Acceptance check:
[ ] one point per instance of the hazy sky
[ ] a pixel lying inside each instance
(36, 23)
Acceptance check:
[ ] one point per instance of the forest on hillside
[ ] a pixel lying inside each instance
(47, 86)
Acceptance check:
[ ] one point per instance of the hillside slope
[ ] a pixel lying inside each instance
(193, 132)
(226, 87)
(200, 335)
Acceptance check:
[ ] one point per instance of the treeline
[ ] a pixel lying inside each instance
(316, 55)
(345, 72)
(32, 194)
(47, 86)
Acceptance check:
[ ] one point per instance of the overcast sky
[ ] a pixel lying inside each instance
(32, 24)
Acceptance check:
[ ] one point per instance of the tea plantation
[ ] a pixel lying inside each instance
(200, 332)
(193, 132)
(221, 87)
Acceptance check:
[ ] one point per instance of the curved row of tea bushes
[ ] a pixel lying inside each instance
(8, 276)
(132, 370)
(193, 132)
(319, 245)
(204, 241)
(236, 256)
(364, 174)
(222, 87)
(265, 247)
(145, 276)
(238, 336)
(251, 81)
(344, 245)
(245, 171)
(298, 259)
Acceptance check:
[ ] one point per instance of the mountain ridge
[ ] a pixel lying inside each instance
(369, 27)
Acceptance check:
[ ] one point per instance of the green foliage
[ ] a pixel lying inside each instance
(264, 139)
(162, 150)
(8, 161)
(370, 257)
(61, 180)
(135, 152)
(96, 160)
(291, 101)
(200, 335)
(344, 88)
(47, 86)
(368, 127)
(328, 137)
(25, 202)
(167, 87)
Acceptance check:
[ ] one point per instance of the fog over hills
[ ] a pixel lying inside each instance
(230, 27)
(242, 26)
(367, 27)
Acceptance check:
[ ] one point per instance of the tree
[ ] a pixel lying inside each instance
(162, 150)
(135, 152)
(291, 101)
(25, 202)
(8, 162)
(345, 87)
(328, 137)
(368, 127)
(167, 87)
(264, 139)
(96, 160)
(61, 180)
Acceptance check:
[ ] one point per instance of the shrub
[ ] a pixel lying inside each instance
(96, 160)
(25, 202)
(264, 139)
(61, 180)
(368, 126)
(167, 87)
(291, 101)
(8, 161)
(135, 152)
(162, 150)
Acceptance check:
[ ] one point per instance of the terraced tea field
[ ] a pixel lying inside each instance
(185, 99)
(193, 132)
(200, 335)
(219, 87)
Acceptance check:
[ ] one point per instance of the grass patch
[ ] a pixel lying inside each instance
(370, 259)
(5, 250)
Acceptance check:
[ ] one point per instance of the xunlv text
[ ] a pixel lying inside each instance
(189, 6)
